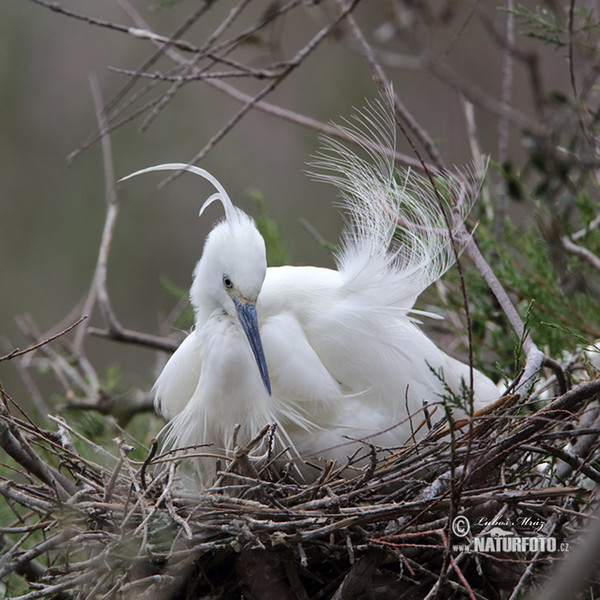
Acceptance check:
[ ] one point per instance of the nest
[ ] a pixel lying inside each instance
(405, 526)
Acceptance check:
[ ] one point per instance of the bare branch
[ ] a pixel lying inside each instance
(584, 253)
(38, 345)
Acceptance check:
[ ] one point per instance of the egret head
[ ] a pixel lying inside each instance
(229, 277)
(230, 274)
(233, 265)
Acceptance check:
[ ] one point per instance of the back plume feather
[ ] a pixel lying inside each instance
(396, 224)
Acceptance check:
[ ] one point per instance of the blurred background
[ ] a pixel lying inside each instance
(52, 209)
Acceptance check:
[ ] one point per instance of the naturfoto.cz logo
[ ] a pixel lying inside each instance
(494, 537)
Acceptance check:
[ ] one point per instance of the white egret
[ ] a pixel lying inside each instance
(326, 355)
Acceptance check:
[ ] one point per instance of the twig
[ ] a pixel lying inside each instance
(38, 345)
(580, 251)
(133, 31)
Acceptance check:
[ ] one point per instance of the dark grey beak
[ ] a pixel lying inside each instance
(249, 321)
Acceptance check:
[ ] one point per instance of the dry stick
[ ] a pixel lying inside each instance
(16, 352)
(583, 447)
(252, 30)
(12, 442)
(572, 460)
(580, 251)
(594, 224)
(533, 425)
(11, 563)
(99, 280)
(163, 46)
(98, 290)
(166, 45)
(66, 373)
(16, 445)
(229, 46)
(139, 33)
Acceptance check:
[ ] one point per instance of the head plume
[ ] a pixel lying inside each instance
(231, 212)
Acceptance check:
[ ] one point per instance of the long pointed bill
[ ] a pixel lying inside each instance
(249, 321)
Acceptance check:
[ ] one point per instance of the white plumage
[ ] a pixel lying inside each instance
(341, 357)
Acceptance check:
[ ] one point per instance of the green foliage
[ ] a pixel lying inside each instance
(461, 399)
(549, 285)
(558, 320)
(277, 251)
(541, 24)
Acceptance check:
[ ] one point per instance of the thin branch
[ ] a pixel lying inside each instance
(133, 31)
(114, 330)
(138, 338)
(38, 345)
(535, 358)
(203, 51)
(584, 253)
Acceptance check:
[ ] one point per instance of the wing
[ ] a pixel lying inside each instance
(178, 380)
(344, 360)
(303, 387)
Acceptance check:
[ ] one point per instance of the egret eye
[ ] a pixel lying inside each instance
(227, 282)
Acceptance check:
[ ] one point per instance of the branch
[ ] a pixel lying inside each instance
(17, 447)
(580, 251)
(98, 290)
(135, 32)
(16, 352)
(128, 336)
